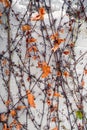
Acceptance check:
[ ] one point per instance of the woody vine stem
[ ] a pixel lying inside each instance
(41, 86)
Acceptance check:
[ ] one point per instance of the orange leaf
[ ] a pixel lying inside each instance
(46, 70)
(39, 16)
(31, 40)
(82, 83)
(26, 27)
(85, 71)
(7, 72)
(1, 1)
(61, 30)
(55, 48)
(60, 40)
(4, 62)
(20, 107)
(56, 94)
(36, 18)
(48, 102)
(53, 119)
(66, 74)
(67, 52)
(7, 102)
(72, 44)
(6, 3)
(0, 14)
(56, 128)
(13, 113)
(3, 117)
(5, 127)
(30, 99)
(32, 48)
(18, 126)
(54, 36)
(42, 11)
(58, 73)
(0, 21)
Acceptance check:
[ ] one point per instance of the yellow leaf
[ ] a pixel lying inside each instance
(30, 99)
(26, 27)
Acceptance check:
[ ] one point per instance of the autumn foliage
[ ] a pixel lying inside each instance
(41, 88)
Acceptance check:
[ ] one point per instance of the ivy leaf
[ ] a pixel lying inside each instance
(79, 114)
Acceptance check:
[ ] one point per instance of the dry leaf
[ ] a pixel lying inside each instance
(18, 126)
(48, 102)
(0, 14)
(54, 36)
(7, 102)
(55, 48)
(56, 94)
(39, 16)
(56, 128)
(6, 3)
(7, 72)
(13, 113)
(42, 11)
(32, 48)
(82, 83)
(66, 74)
(30, 99)
(66, 52)
(4, 62)
(53, 119)
(46, 70)
(20, 107)
(5, 127)
(58, 73)
(1, 1)
(85, 71)
(31, 40)
(36, 18)
(0, 21)
(3, 117)
(26, 27)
